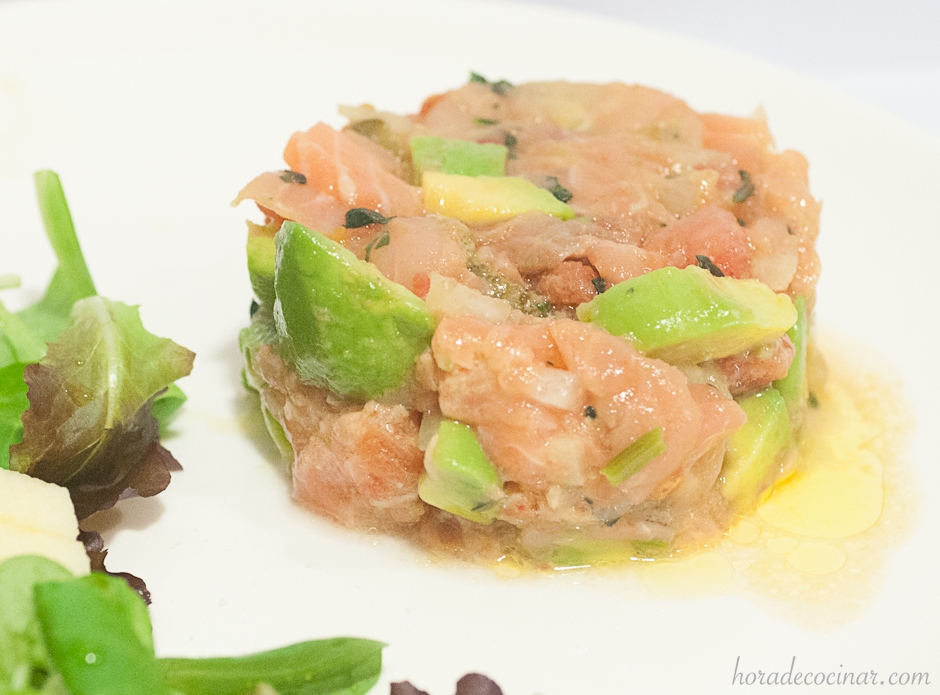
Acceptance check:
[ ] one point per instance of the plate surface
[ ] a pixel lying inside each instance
(156, 114)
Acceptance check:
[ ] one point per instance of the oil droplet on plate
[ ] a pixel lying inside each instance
(702, 574)
(838, 490)
(744, 532)
(817, 558)
(782, 546)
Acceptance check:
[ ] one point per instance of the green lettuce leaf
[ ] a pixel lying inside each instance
(92, 635)
(19, 346)
(23, 336)
(339, 666)
(71, 281)
(89, 426)
(25, 665)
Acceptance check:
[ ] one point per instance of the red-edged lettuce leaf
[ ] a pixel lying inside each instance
(471, 684)
(89, 426)
(97, 554)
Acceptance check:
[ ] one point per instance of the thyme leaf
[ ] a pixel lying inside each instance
(706, 263)
(746, 190)
(600, 285)
(289, 176)
(557, 190)
(500, 87)
(381, 240)
(363, 217)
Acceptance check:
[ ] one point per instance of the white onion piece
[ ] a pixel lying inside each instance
(447, 297)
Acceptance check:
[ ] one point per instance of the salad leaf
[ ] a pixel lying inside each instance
(167, 404)
(23, 336)
(13, 403)
(91, 635)
(71, 281)
(83, 415)
(97, 631)
(24, 661)
(97, 554)
(339, 666)
(89, 426)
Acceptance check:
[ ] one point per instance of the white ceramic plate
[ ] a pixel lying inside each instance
(155, 114)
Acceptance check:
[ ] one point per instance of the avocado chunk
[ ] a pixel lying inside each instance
(794, 387)
(689, 316)
(592, 552)
(261, 267)
(342, 323)
(753, 450)
(433, 153)
(485, 199)
(459, 477)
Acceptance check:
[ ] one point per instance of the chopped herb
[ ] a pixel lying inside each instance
(483, 506)
(611, 522)
(549, 364)
(589, 500)
(790, 231)
(363, 217)
(254, 307)
(511, 141)
(289, 176)
(636, 456)
(812, 400)
(600, 285)
(746, 190)
(556, 189)
(495, 284)
(590, 412)
(500, 87)
(381, 240)
(742, 222)
(705, 263)
(486, 121)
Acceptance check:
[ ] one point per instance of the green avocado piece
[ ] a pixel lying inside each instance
(794, 387)
(433, 153)
(592, 552)
(752, 450)
(689, 316)
(344, 324)
(261, 267)
(459, 477)
(486, 199)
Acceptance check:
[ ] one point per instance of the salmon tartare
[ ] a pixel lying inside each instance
(566, 322)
